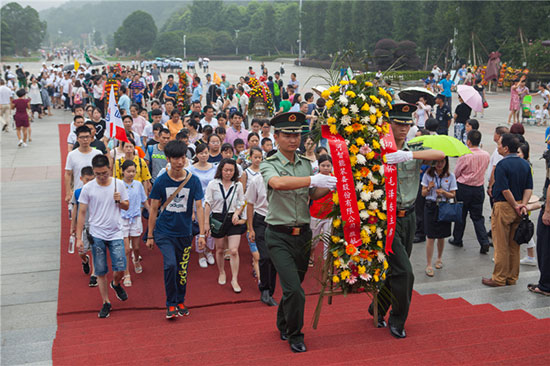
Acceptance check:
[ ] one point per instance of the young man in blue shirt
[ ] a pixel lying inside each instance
(446, 86)
(170, 89)
(172, 230)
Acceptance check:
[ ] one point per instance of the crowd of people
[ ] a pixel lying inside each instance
(195, 176)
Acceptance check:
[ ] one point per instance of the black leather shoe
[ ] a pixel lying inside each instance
(272, 302)
(381, 322)
(265, 297)
(298, 347)
(456, 243)
(284, 336)
(484, 249)
(397, 332)
(418, 239)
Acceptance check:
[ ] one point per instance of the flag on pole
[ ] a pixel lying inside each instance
(216, 79)
(88, 59)
(114, 121)
(350, 73)
(76, 64)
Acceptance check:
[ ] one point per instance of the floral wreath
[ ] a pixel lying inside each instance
(358, 112)
(260, 90)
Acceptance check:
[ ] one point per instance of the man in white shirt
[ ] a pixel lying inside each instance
(495, 158)
(6, 96)
(78, 159)
(209, 118)
(103, 198)
(256, 197)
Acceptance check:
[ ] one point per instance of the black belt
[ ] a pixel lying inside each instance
(405, 212)
(290, 230)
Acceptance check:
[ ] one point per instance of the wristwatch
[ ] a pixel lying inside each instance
(202, 236)
(150, 237)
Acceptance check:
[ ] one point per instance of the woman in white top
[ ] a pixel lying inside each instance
(205, 171)
(225, 200)
(36, 98)
(98, 93)
(231, 100)
(422, 113)
(78, 93)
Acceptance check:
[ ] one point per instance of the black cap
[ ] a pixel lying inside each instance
(402, 113)
(440, 96)
(290, 122)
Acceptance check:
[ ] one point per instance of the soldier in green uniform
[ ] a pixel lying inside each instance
(290, 185)
(399, 282)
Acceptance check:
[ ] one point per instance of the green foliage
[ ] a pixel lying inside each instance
(22, 29)
(98, 40)
(168, 44)
(137, 33)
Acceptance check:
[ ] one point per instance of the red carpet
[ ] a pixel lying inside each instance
(236, 329)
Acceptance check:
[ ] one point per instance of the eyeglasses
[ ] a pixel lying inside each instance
(86, 137)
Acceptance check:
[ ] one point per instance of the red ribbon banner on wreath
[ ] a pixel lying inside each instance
(390, 173)
(345, 187)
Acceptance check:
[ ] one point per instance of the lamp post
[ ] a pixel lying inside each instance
(300, 36)
(184, 49)
(237, 42)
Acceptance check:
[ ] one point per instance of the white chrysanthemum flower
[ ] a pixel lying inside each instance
(384, 206)
(382, 169)
(381, 256)
(382, 102)
(372, 109)
(366, 277)
(347, 142)
(373, 205)
(365, 120)
(364, 215)
(359, 186)
(345, 120)
(377, 194)
(343, 100)
(365, 196)
(379, 232)
(383, 144)
(380, 121)
(371, 129)
(362, 96)
(374, 180)
(361, 159)
(354, 109)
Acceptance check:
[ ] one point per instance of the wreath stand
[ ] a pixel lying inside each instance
(327, 289)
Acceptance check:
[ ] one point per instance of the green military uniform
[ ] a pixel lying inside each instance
(288, 235)
(400, 279)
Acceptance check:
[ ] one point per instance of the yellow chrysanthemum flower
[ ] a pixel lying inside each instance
(365, 107)
(361, 269)
(335, 279)
(386, 264)
(360, 141)
(333, 129)
(360, 205)
(351, 94)
(345, 274)
(337, 263)
(336, 222)
(386, 128)
(384, 276)
(378, 113)
(384, 159)
(325, 94)
(335, 239)
(385, 114)
(380, 244)
(348, 129)
(373, 229)
(372, 119)
(334, 89)
(353, 160)
(356, 259)
(353, 81)
(370, 155)
(368, 84)
(335, 253)
(335, 198)
(331, 121)
(344, 82)
(381, 215)
(375, 144)
(345, 111)
(329, 103)
(376, 279)
(374, 99)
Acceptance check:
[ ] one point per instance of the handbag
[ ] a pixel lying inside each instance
(485, 104)
(525, 230)
(215, 224)
(449, 212)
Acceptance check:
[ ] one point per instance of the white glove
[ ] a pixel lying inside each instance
(399, 156)
(323, 181)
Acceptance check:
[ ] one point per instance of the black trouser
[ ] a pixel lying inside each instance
(543, 253)
(473, 198)
(419, 210)
(268, 273)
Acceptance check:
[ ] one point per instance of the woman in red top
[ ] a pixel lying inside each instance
(319, 210)
(22, 107)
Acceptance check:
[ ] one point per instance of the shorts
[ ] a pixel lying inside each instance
(116, 251)
(228, 229)
(36, 108)
(86, 240)
(129, 228)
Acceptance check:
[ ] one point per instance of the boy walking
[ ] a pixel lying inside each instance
(174, 193)
(103, 198)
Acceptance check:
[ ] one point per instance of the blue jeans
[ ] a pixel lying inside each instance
(175, 255)
(460, 128)
(118, 256)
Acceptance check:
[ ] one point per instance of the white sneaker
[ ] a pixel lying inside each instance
(24, 144)
(210, 258)
(20, 143)
(202, 262)
(528, 261)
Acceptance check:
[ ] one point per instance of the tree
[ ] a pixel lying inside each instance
(199, 45)
(137, 33)
(98, 41)
(384, 53)
(223, 44)
(168, 44)
(22, 28)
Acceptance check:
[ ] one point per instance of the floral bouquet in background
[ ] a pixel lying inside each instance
(182, 103)
(260, 91)
(358, 118)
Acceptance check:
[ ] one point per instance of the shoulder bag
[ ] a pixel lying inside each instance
(448, 211)
(215, 224)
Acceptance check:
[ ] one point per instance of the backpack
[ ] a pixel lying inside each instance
(77, 98)
(276, 89)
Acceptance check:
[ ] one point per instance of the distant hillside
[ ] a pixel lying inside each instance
(75, 18)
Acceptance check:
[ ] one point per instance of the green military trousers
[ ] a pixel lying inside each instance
(290, 255)
(398, 287)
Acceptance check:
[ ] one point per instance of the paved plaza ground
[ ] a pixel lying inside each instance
(30, 225)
